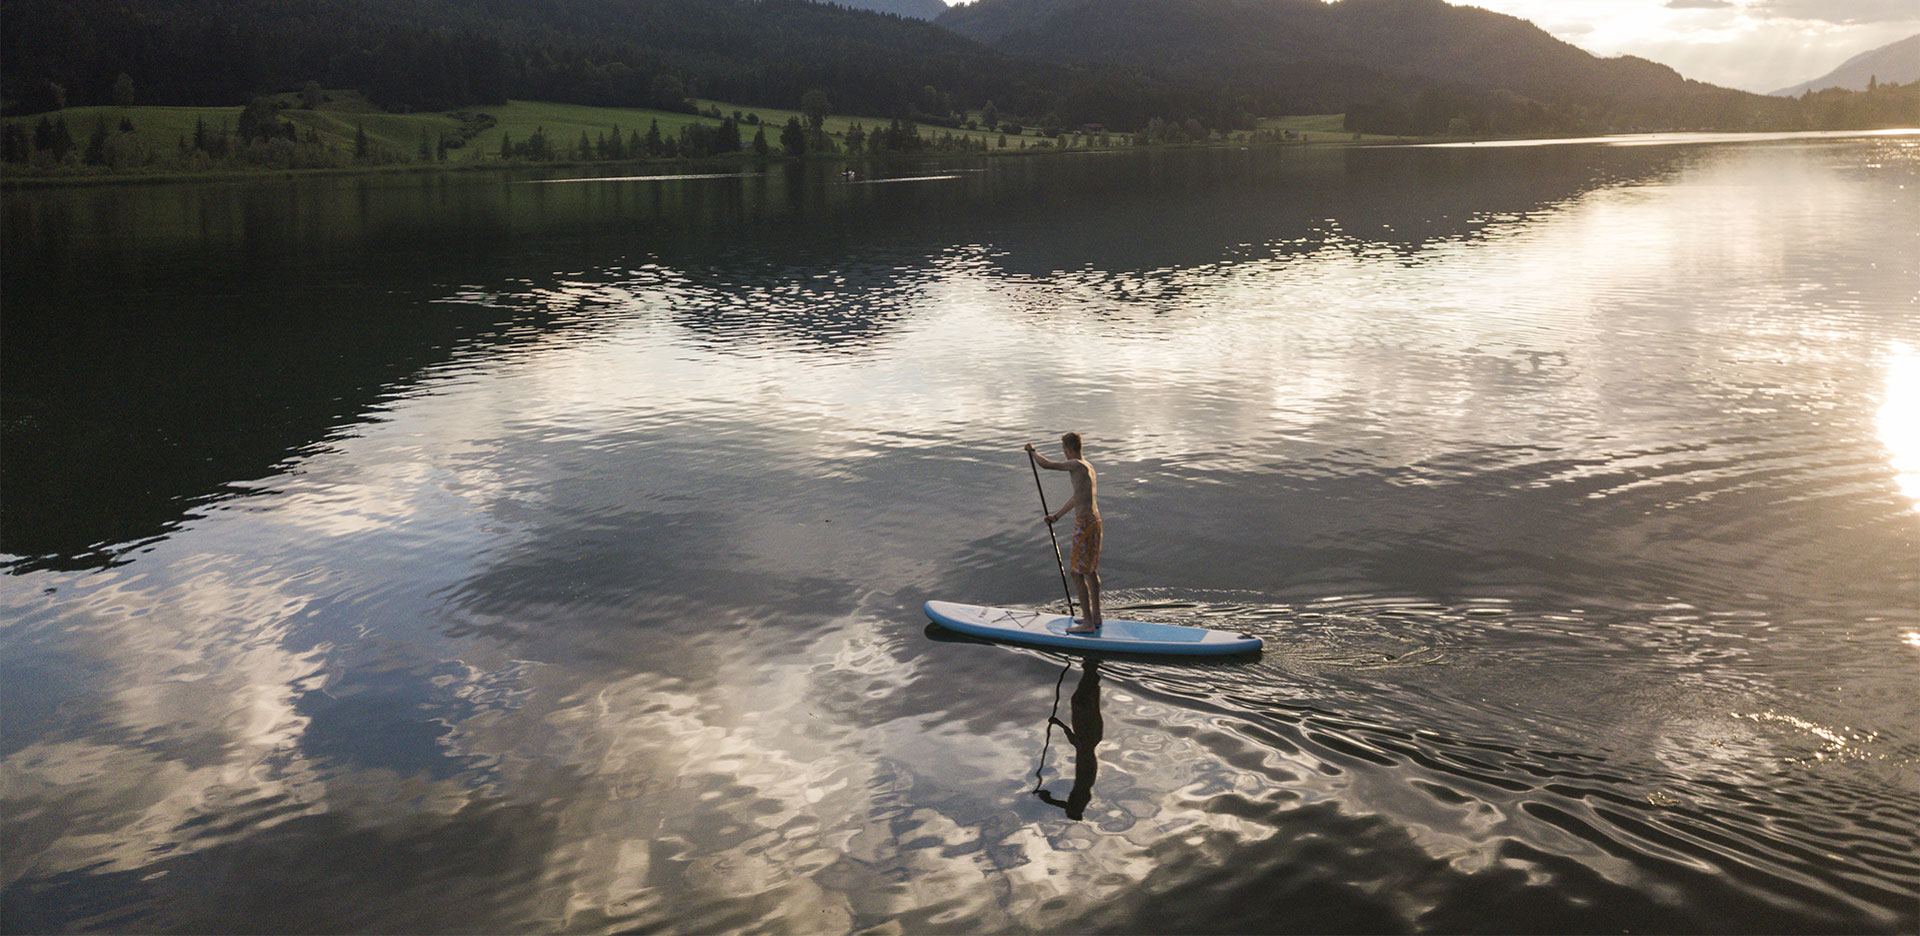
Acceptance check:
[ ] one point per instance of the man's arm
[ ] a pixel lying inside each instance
(1046, 462)
(1071, 503)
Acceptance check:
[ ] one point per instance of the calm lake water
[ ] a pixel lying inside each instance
(485, 554)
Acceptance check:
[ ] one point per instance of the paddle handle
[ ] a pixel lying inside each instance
(1031, 463)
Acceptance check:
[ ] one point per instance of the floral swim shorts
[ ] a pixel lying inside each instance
(1086, 546)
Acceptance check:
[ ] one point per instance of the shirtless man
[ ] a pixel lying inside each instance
(1085, 561)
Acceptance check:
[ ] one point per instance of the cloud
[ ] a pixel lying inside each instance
(1698, 4)
(1835, 11)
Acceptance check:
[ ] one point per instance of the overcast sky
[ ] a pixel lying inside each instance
(1756, 45)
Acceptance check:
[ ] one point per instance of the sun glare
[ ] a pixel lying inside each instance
(1900, 420)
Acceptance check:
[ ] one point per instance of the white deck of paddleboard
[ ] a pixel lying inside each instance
(1048, 629)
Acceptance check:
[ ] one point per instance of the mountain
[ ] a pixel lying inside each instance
(1898, 62)
(1170, 69)
(1277, 43)
(441, 55)
(911, 9)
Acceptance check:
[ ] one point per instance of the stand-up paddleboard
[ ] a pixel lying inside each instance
(1048, 629)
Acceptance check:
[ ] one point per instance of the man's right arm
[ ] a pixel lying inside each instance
(1044, 461)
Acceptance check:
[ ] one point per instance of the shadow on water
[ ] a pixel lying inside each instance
(167, 346)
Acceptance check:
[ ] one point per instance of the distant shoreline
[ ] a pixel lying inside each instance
(67, 177)
(11, 180)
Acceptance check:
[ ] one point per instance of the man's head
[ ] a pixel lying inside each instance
(1070, 444)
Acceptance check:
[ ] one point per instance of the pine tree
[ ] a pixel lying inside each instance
(96, 154)
(13, 143)
(62, 139)
(815, 106)
(793, 139)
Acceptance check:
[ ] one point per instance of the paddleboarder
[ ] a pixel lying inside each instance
(1085, 554)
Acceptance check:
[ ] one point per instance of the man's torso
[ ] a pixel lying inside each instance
(1084, 489)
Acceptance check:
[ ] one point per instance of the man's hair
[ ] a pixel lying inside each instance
(1071, 440)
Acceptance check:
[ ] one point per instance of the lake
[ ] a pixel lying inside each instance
(505, 553)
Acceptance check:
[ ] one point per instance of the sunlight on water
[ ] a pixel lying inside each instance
(1899, 419)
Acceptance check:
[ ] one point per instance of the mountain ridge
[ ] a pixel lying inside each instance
(1185, 67)
(1238, 40)
(911, 9)
(1894, 62)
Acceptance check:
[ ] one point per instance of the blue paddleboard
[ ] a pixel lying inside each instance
(1047, 629)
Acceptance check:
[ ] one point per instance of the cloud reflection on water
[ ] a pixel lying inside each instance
(623, 672)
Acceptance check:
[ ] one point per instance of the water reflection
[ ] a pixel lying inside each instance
(582, 594)
(1084, 734)
(1899, 419)
(190, 370)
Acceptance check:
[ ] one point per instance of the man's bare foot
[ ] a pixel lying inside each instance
(1082, 627)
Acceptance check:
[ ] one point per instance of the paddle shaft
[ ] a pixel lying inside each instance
(1035, 465)
(1039, 782)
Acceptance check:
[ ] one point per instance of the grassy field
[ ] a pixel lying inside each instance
(344, 114)
(837, 124)
(339, 119)
(1318, 128)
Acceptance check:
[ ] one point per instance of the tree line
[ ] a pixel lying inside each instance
(1472, 112)
(451, 55)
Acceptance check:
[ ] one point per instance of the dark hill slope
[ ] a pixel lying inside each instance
(1261, 42)
(439, 53)
(912, 9)
(443, 54)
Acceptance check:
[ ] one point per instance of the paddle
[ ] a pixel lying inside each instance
(1031, 463)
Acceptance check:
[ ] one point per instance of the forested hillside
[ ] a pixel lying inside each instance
(444, 54)
(1410, 66)
(1392, 66)
(1242, 41)
(915, 9)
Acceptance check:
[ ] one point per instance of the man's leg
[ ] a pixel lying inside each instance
(1090, 594)
(1089, 622)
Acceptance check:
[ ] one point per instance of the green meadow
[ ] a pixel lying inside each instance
(1318, 128)
(158, 133)
(342, 118)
